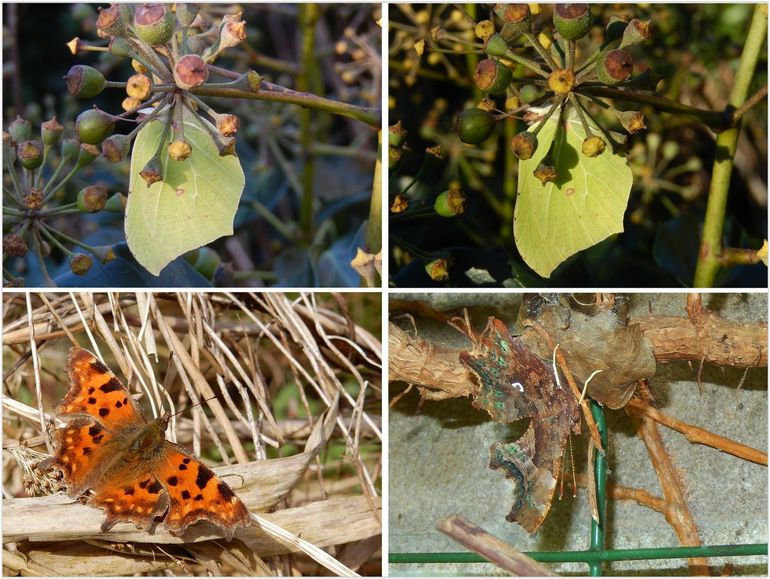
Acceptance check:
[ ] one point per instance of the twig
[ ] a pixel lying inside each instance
(698, 435)
(491, 548)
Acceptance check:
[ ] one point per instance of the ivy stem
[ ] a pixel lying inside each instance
(571, 47)
(18, 190)
(37, 247)
(538, 46)
(708, 264)
(717, 120)
(575, 103)
(530, 64)
(50, 231)
(308, 17)
(374, 227)
(545, 118)
(370, 116)
(43, 228)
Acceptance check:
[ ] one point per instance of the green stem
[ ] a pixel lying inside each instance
(530, 64)
(271, 218)
(370, 116)
(717, 120)
(708, 265)
(50, 231)
(537, 45)
(308, 17)
(37, 247)
(17, 188)
(471, 58)
(374, 228)
(44, 229)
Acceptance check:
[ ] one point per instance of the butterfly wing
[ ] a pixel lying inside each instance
(196, 493)
(81, 448)
(97, 392)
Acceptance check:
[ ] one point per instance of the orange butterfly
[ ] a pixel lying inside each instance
(136, 474)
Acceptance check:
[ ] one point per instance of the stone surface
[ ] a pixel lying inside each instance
(439, 458)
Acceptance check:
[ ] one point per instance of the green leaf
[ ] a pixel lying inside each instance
(583, 206)
(193, 205)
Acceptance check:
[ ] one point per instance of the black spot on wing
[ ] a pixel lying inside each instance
(225, 491)
(112, 386)
(204, 476)
(99, 368)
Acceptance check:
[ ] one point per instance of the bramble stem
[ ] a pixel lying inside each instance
(709, 264)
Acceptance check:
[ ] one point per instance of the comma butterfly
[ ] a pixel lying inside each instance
(515, 384)
(136, 474)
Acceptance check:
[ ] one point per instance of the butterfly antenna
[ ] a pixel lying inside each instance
(572, 460)
(197, 404)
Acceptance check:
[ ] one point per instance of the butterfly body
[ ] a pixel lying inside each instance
(136, 475)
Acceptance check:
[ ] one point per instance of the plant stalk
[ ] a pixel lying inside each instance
(709, 262)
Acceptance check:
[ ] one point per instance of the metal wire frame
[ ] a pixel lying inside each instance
(596, 555)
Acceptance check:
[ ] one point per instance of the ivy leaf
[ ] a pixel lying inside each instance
(583, 206)
(193, 205)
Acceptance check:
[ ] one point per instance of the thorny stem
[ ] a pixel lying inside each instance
(708, 265)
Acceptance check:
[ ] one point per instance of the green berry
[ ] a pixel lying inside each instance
(92, 199)
(154, 23)
(593, 146)
(474, 125)
(20, 130)
(51, 131)
(614, 67)
(84, 82)
(207, 262)
(517, 18)
(93, 126)
(186, 13)
(524, 145)
(450, 203)
(80, 263)
(635, 33)
(528, 93)
(572, 21)
(492, 76)
(87, 154)
(152, 171)
(70, 149)
(116, 148)
(496, 46)
(30, 154)
(116, 203)
(111, 22)
(120, 47)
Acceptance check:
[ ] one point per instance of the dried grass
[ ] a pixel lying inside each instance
(259, 376)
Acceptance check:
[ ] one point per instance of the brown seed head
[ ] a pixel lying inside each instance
(190, 71)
